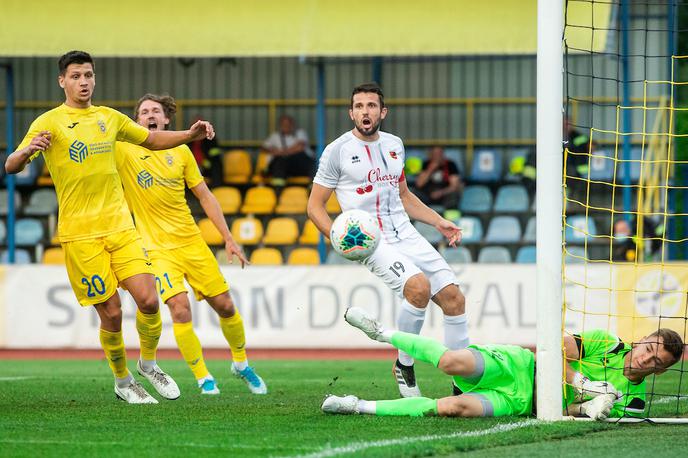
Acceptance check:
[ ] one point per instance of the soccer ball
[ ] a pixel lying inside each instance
(355, 234)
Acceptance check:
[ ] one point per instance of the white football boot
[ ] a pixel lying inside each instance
(345, 405)
(162, 382)
(359, 318)
(134, 393)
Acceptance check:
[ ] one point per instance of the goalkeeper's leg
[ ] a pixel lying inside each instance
(466, 405)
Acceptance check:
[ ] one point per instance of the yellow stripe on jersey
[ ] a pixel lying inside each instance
(81, 162)
(154, 182)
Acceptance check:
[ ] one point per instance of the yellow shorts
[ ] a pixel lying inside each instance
(196, 263)
(96, 266)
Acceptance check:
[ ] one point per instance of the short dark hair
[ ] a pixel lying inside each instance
(74, 57)
(368, 87)
(672, 342)
(169, 106)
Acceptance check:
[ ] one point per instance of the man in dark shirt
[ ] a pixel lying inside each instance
(439, 183)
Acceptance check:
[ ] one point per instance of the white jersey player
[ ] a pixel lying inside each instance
(365, 168)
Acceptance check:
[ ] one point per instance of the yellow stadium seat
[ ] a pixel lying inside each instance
(210, 233)
(304, 181)
(229, 199)
(292, 201)
(259, 200)
(247, 231)
(310, 234)
(267, 257)
(304, 257)
(261, 169)
(333, 205)
(54, 256)
(281, 231)
(237, 167)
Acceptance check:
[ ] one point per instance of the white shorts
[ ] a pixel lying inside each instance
(396, 262)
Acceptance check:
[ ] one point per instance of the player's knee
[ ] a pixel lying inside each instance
(451, 363)
(180, 309)
(417, 290)
(148, 302)
(223, 305)
(454, 302)
(111, 316)
(455, 406)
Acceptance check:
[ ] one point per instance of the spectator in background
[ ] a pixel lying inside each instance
(208, 156)
(291, 155)
(626, 240)
(439, 182)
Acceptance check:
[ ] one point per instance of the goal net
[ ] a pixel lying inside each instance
(625, 217)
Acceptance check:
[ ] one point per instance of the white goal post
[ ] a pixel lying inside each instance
(550, 94)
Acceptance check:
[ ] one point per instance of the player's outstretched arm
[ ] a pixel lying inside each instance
(417, 210)
(166, 139)
(213, 211)
(317, 208)
(16, 161)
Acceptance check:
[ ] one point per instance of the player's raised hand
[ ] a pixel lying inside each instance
(40, 142)
(202, 129)
(235, 250)
(450, 231)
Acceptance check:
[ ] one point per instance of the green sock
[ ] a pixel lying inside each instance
(411, 407)
(420, 348)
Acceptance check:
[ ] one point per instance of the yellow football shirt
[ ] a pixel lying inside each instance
(81, 162)
(155, 183)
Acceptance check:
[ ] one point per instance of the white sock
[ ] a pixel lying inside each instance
(366, 407)
(387, 334)
(147, 364)
(456, 332)
(124, 382)
(241, 365)
(410, 320)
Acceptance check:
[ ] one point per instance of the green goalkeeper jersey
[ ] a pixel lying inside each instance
(602, 359)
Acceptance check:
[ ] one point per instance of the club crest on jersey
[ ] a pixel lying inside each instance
(101, 124)
(169, 159)
(78, 151)
(144, 179)
(355, 159)
(393, 154)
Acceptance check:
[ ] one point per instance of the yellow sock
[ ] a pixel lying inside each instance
(149, 328)
(113, 346)
(233, 330)
(190, 348)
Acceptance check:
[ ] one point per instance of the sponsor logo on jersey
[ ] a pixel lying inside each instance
(101, 124)
(364, 189)
(73, 125)
(393, 154)
(78, 151)
(376, 176)
(144, 179)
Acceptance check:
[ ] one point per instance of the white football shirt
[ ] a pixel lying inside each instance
(366, 176)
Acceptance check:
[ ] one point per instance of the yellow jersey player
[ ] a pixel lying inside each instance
(154, 184)
(102, 248)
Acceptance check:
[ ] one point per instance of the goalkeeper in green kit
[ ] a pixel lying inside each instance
(605, 377)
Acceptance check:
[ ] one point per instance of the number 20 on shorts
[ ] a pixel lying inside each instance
(95, 286)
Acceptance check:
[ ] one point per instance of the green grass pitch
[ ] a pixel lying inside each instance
(68, 408)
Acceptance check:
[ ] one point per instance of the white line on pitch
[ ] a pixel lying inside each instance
(361, 446)
(17, 378)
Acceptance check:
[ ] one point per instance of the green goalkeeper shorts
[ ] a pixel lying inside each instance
(507, 379)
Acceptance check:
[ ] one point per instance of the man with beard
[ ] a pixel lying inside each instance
(364, 167)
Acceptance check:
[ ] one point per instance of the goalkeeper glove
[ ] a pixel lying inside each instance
(598, 408)
(587, 388)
